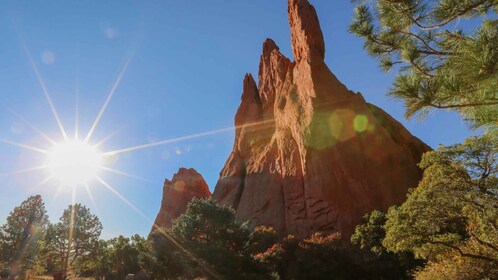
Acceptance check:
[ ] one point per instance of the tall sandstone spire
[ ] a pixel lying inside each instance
(309, 154)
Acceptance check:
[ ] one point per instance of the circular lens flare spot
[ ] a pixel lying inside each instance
(361, 123)
(74, 163)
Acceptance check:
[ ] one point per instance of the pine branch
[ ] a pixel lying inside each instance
(454, 106)
(379, 41)
(431, 51)
(452, 18)
(414, 64)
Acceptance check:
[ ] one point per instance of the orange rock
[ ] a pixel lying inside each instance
(310, 155)
(177, 193)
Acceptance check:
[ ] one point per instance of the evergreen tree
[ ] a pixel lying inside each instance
(206, 241)
(451, 219)
(215, 235)
(21, 235)
(440, 64)
(114, 259)
(75, 235)
(123, 255)
(98, 264)
(162, 259)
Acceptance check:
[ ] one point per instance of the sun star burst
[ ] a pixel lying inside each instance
(74, 163)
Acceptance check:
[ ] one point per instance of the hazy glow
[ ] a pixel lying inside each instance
(74, 163)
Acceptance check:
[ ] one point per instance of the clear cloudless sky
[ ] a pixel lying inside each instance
(188, 60)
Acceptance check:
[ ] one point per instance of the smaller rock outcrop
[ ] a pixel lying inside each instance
(177, 193)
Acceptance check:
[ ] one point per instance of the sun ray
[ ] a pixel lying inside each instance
(111, 170)
(126, 201)
(183, 138)
(36, 129)
(107, 138)
(92, 198)
(109, 97)
(24, 146)
(71, 229)
(77, 110)
(162, 231)
(73, 195)
(22, 171)
(169, 141)
(43, 182)
(42, 85)
(56, 194)
(198, 261)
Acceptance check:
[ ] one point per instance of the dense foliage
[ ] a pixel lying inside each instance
(163, 259)
(446, 50)
(203, 238)
(451, 219)
(376, 259)
(208, 241)
(21, 236)
(76, 235)
(114, 258)
(322, 256)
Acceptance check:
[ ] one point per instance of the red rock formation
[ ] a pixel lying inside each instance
(177, 193)
(309, 154)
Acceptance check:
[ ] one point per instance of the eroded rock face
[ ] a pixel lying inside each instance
(177, 193)
(309, 154)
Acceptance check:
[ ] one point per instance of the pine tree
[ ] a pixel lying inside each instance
(207, 241)
(440, 64)
(21, 235)
(77, 234)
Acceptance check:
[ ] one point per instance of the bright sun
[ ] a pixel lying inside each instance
(74, 163)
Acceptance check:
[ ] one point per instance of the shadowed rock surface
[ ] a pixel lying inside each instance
(309, 154)
(177, 193)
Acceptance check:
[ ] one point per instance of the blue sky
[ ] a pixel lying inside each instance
(187, 63)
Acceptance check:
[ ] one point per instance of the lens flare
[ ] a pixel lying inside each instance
(360, 123)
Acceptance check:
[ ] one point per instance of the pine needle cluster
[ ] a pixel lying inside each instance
(445, 52)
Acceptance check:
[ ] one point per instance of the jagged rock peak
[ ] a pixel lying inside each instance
(177, 193)
(307, 36)
(250, 109)
(250, 89)
(316, 156)
(273, 69)
(268, 47)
